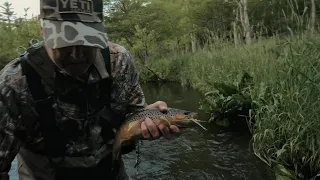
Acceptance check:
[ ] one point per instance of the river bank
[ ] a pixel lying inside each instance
(284, 94)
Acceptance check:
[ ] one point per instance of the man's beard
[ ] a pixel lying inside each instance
(75, 65)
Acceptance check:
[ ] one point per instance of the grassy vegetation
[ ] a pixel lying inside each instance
(284, 94)
(281, 101)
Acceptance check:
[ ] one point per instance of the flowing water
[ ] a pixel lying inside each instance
(215, 154)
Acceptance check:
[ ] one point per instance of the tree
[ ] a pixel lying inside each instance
(244, 18)
(313, 16)
(26, 12)
(7, 13)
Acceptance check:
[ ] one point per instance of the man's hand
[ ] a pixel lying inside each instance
(150, 131)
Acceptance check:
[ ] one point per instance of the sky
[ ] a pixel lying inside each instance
(19, 5)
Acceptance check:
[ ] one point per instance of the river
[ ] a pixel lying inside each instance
(215, 154)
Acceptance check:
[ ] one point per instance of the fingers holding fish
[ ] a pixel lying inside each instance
(144, 131)
(149, 130)
(174, 129)
(169, 132)
(165, 131)
(151, 123)
(161, 105)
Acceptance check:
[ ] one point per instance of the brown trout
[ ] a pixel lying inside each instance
(131, 130)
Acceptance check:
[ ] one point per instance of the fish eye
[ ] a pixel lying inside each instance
(163, 112)
(186, 113)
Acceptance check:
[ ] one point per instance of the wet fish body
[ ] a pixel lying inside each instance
(131, 130)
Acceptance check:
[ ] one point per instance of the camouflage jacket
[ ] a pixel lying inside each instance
(16, 107)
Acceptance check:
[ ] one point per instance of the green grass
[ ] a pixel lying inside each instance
(285, 93)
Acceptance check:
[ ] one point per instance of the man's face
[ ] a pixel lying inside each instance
(73, 60)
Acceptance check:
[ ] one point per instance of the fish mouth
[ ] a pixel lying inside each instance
(190, 120)
(191, 115)
(182, 125)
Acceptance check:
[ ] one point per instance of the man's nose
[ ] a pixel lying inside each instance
(76, 52)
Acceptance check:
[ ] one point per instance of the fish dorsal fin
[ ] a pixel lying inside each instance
(135, 112)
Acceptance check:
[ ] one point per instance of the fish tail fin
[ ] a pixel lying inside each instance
(119, 140)
(116, 148)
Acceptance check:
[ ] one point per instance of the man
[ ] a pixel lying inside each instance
(61, 102)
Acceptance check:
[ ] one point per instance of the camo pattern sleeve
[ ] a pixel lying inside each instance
(127, 90)
(9, 116)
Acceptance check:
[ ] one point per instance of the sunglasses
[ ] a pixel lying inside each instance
(76, 51)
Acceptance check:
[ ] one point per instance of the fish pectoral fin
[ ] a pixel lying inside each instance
(137, 135)
(163, 119)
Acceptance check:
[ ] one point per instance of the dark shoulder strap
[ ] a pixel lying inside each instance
(116, 119)
(106, 85)
(106, 57)
(34, 81)
(53, 139)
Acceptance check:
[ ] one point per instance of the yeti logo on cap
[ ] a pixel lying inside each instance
(75, 6)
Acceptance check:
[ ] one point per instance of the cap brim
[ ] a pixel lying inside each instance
(58, 34)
